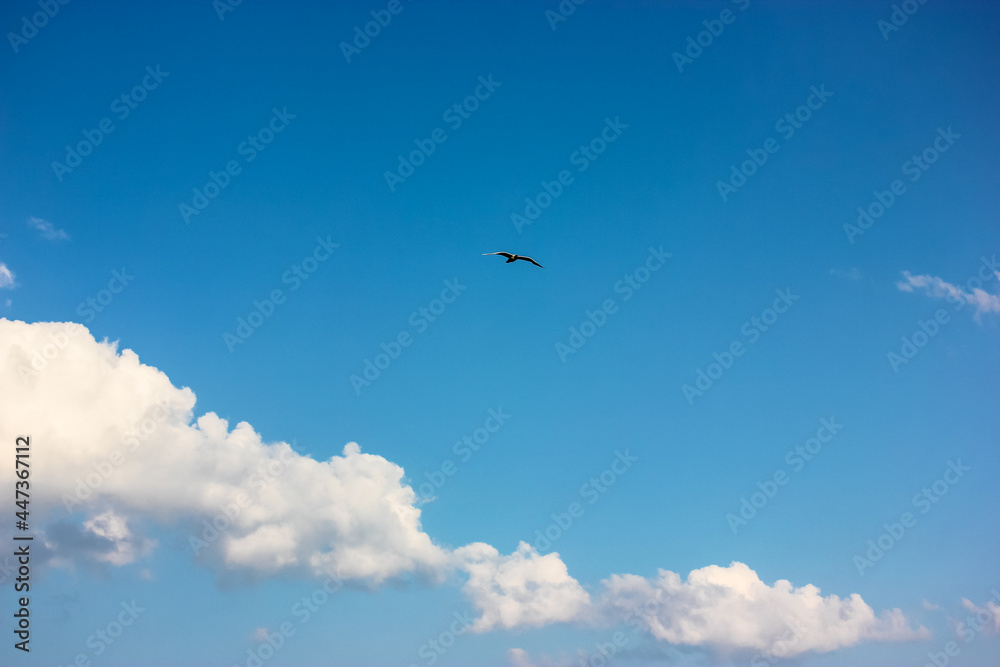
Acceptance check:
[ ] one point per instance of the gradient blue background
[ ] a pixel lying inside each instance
(495, 346)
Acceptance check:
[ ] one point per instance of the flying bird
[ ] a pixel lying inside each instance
(514, 258)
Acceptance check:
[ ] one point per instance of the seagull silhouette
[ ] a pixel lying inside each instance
(514, 258)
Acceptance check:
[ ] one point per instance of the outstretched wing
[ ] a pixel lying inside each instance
(531, 260)
(505, 254)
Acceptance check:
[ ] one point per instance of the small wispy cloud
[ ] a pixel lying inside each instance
(930, 606)
(48, 230)
(853, 274)
(989, 611)
(518, 657)
(936, 288)
(985, 618)
(6, 276)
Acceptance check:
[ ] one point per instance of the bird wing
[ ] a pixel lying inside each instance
(505, 254)
(531, 260)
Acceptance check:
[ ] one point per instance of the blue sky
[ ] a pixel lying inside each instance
(310, 213)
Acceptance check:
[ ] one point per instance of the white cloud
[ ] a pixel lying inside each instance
(854, 273)
(104, 539)
(930, 606)
(6, 276)
(47, 229)
(126, 547)
(519, 658)
(987, 616)
(522, 589)
(350, 515)
(121, 434)
(936, 288)
(731, 609)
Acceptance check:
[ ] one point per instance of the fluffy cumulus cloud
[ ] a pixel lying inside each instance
(523, 589)
(731, 609)
(118, 441)
(122, 449)
(973, 294)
